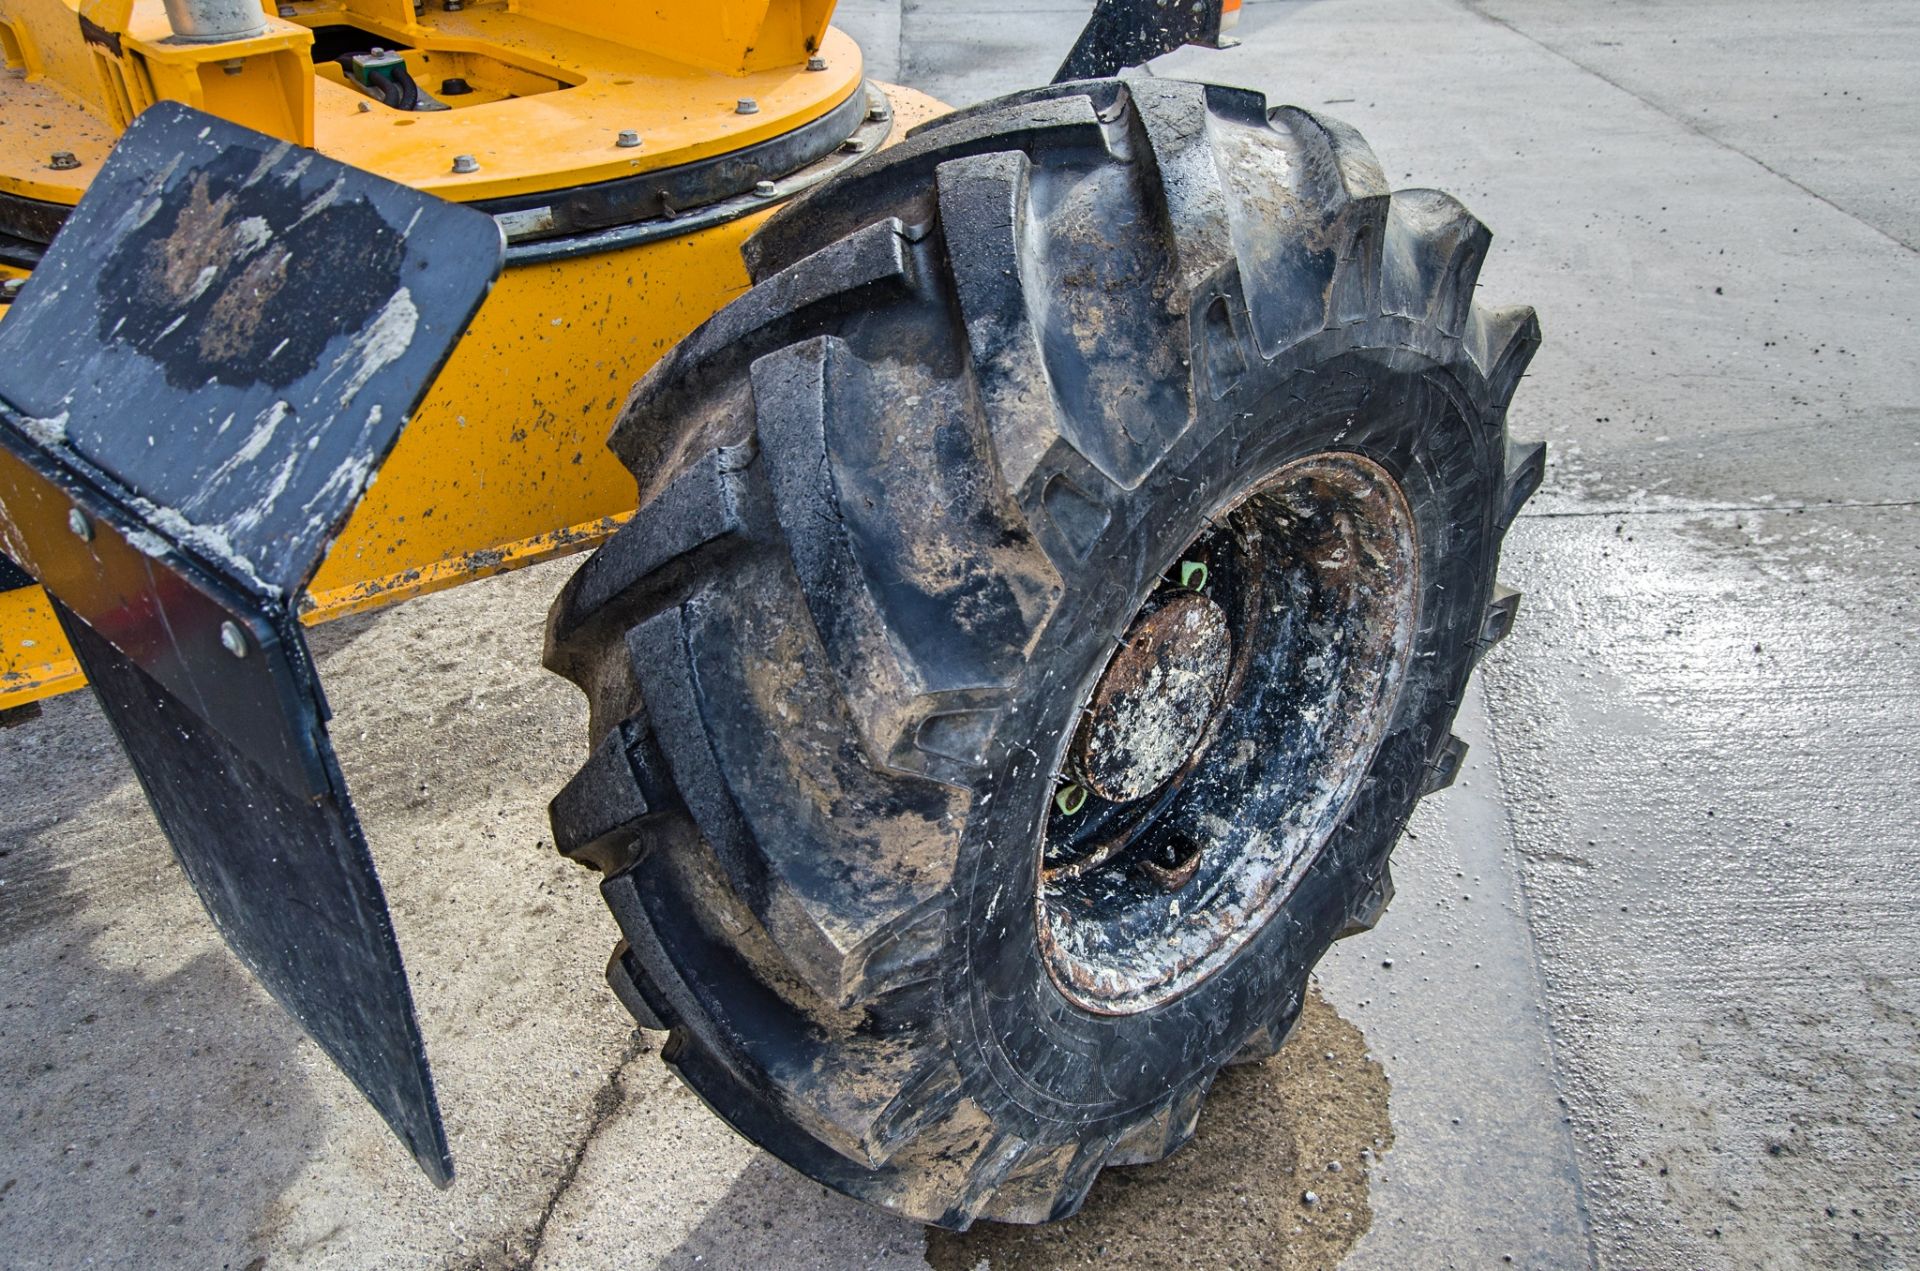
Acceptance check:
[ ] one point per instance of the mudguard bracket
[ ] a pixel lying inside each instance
(197, 384)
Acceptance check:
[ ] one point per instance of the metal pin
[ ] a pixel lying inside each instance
(233, 640)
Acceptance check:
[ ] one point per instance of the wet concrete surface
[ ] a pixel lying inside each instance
(1655, 987)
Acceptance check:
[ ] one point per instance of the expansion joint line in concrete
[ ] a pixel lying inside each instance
(1474, 8)
(1523, 897)
(1716, 509)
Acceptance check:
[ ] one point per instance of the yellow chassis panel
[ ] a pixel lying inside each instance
(35, 661)
(505, 463)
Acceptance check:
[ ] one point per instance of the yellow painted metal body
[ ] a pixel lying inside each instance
(505, 463)
(555, 83)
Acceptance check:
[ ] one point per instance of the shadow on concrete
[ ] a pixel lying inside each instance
(1233, 1197)
(151, 1115)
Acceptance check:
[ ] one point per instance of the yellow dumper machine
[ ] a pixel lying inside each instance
(1040, 547)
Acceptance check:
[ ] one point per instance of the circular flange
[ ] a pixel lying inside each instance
(1153, 703)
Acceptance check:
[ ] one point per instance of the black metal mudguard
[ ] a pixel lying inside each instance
(197, 385)
(1123, 33)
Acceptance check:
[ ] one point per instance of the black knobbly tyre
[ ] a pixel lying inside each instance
(1052, 588)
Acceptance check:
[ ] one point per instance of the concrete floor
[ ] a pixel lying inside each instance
(1655, 987)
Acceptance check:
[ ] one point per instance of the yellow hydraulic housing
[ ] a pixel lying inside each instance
(625, 149)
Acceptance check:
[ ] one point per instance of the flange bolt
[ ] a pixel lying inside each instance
(465, 163)
(233, 639)
(765, 189)
(63, 161)
(629, 139)
(816, 63)
(746, 106)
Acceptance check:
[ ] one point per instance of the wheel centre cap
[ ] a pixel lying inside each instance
(1155, 700)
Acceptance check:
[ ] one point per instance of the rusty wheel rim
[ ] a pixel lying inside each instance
(1217, 751)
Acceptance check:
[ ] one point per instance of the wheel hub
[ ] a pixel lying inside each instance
(1153, 705)
(1220, 745)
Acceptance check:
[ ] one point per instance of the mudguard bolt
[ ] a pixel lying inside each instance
(816, 63)
(465, 163)
(765, 189)
(746, 106)
(63, 161)
(82, 528)
(233, 640)
(628, 139)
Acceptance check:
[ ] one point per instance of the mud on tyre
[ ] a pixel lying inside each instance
(1052, 587)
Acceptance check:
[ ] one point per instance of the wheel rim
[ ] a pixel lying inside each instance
(1217, 751)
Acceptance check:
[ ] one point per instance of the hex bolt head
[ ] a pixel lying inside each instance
(233, 639)
(856, 145)
(765, 189)
(77, 522)
(63, 161)
(629, 139)
(746, 106)
(465, 163)
(11, 287)
(453, 6)
(879, 114)
(816, 63)
(288, 11)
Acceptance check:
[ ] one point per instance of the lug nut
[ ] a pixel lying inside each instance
(746, 106)
(63, 161)
(765, 189)
(82, 528)
(233, 640)
(629, 139)
(816, 63)
(465, 163)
